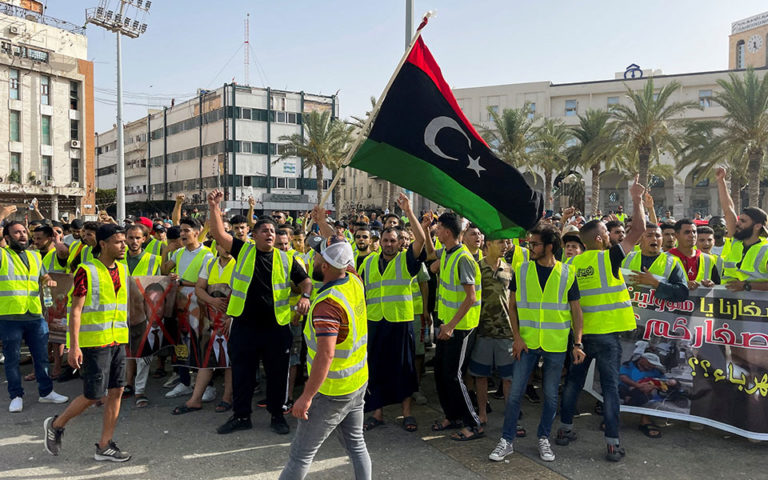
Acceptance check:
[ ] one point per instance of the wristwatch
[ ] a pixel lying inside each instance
(579, 345)
(306, 295)
(747, 286)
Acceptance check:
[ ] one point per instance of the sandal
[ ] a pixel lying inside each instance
(181, 410)
(463, 437)
(159, 373)
(30, 377)
(409, 424)
(372, 423)
(520, 433)
(438, 426)
(223, 406)
(141, 401)
(650, 430)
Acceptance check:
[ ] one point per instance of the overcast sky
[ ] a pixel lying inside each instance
(353, 46)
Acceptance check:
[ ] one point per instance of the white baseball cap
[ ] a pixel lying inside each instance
(339, 255)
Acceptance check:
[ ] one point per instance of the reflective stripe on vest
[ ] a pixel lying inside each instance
(662, 265)
(451, 292)
(418, 300)
(218, 274)
(309, 258)
(281, 283)
(349, 368)
(193, 269)
(706, 267)
(19, 284)
(544, 316)
(388, 296)
(604, 298)
(752, 267)
(155, 247)
(149, 264)
(104, 317)
(51, 263)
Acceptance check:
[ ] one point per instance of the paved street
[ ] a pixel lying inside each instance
(167, 447)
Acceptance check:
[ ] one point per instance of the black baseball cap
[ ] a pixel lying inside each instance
(104, 232)
(758, 215)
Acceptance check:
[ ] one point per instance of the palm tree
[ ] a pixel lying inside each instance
(549, 151)
(324, 144)
(511, 135)
(597, 148)
(745, 125)
(645, 125)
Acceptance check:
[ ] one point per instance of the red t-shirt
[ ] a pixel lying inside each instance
(691, 264)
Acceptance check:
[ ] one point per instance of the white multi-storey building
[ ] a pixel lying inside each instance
(227, 138)
(46, 148)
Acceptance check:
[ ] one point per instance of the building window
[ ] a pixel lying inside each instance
(491, 110)
(14, 84)
(75, 169)
(74, 129)
(571, 108)
(740, 54)
(705, 98)
(531, 110)
(45, 85)
(612, 101)
(15, 175)
(15, 122)
(74, 95)
(46, 168)
(45, 127)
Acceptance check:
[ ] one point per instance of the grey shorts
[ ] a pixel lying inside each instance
(489, 353)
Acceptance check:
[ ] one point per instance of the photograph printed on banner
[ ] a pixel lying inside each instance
(56, 314)
(152, 300)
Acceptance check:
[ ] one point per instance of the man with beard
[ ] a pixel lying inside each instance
(44, 237)
(75, 231)
(22, 316)
(81, 252)
(259, 305)
(745, 265)
(363, 242)
(389, 298)
(616, 232)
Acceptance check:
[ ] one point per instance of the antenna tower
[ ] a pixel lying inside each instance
(246, 50)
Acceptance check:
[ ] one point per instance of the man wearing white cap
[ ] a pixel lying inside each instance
(336, 335)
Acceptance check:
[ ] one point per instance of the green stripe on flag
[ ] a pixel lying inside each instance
(408, 171)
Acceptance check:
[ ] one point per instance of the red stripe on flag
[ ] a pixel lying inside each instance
(422, 58)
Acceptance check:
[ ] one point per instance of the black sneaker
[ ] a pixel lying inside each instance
(262, 403)
(498, 394)
(52, 436)
(564, 437)
(531, 395)
(287, 407)
(110, 453)
(615, 453)
(234, 424)
(279, 425)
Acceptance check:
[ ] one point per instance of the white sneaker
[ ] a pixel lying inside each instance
(503, 448)
(171, 382)
(53, 397)
(210, 394)
(419, 398)
(2, 359)
(17, 405)
(545, 451)
(179, 391)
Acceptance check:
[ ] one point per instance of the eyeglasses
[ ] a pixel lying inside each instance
(361, 236)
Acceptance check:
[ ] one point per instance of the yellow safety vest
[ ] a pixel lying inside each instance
(19, 284)
(753, 267)
(193, 270)
(519, 255)
(297, 257)
(51, 263)
(86, 254)
(418, 300)
(155, 247)
(622, 217)
(663, 265)
(349, 367)
(281, 282)
(309, 258)
(104, 319)
(604, 298)
(544, 316)
(451, 292)
(388, 296)
(149, 264)
(707, 265)
(218, 274)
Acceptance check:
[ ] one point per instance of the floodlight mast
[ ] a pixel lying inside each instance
(120, 24)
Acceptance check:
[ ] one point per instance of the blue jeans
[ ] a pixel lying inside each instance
(553, 367)
(606, 350)
(35, 334)
(342, 413)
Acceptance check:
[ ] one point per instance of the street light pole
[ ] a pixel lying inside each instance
(130, 26)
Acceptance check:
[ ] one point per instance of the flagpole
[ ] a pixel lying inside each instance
(376, 108)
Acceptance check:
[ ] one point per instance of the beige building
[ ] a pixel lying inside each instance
(46, 148)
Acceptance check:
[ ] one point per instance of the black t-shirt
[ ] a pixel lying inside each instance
(616, 255)
(259, 306)
(543, 274)
(413, 263)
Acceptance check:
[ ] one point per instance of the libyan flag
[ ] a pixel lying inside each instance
(421, 140)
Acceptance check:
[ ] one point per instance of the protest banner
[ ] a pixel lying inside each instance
(216, 333)
(189, 326)
(56, 314)
(712, 353)
(151, 306)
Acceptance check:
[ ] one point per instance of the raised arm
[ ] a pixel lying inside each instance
(726, 202)
(176, 214)
(418, 233)
(648, 202)
(638, 217)
(251, 203)
(426, 223)
(214, 220)
(319, 217)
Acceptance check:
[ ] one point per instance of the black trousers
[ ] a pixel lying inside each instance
(248, 345)
(451, 360)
